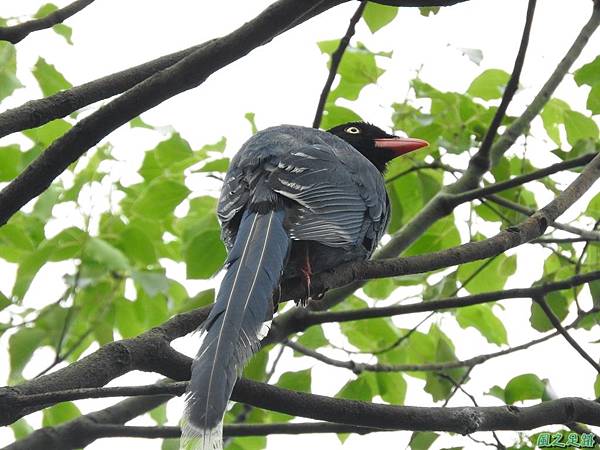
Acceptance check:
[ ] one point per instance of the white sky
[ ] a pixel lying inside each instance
(281, 83)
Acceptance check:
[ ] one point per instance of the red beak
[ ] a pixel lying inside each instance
(400, 145)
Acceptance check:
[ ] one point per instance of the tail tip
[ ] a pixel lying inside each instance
(196, 438)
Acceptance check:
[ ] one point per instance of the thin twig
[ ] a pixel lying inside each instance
(336, 59)
(482, 158)
(17, 33)
(555, 321)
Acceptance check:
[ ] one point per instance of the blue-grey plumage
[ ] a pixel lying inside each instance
(295, 201)
(233, 326)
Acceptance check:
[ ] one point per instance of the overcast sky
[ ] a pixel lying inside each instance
(281, 83)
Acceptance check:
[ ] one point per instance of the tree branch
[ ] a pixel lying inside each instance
(91, 431)
(530, 229)
(591, 235)
(19, 32)
(462, 420)
(35, 113)
(336, 59)
(482, 157)
(77, 433)
(442, 203)
(522, 179)
(186, 74)
(541, 301)
(150, 350)
(300, 321)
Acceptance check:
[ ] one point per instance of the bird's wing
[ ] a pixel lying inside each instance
(334, 195)
(328, 205)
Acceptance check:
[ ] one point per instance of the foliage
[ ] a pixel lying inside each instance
(117, 285)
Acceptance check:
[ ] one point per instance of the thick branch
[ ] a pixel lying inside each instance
(442, 204)
(462, 420)
(148, 351)
(19, 32)
(186, 74)
(530, 229)
(93, 431)
(38, 112)
(77, 433)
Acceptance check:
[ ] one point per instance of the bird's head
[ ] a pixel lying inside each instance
(375, 144)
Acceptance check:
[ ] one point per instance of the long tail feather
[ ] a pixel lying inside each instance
(233, 328)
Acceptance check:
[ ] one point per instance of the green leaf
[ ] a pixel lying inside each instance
(257, 366)
(559, 305)
(21, 346)
(172, 150)
(492, 277)
(60, 413)
(204, 255)
(593, 101)
(336, 115)
(370, 334)
(380, 289)
(102, 252)
(378, 16)
(589, 73)
(498, 392)
(363, 388)
(250, 116)
(137, 122)
(429, 10)
(29, 267)
(422, 440)
(67, 244)
(483, 319)
(128, 318)
(489, 85)
(10, 162)
(138, 246)
(313, 338)
(153, 283)
(50, 80)
(201, 299)
(597, 386)
(159, 414)
(8, 70)
(160, 198)
(357, 69)
(217, 165)
(440, 387)
(552, 115)
(65, 31)
(21, 429)
(579, 126)
(391, 387)
(295, 381)
(4, 301)
(524, 387)
(61, 29)
(172, 444)
(48, 133)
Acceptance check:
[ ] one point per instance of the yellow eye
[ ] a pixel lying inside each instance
(352, 130)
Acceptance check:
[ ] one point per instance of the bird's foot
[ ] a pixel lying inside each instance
(306, 274)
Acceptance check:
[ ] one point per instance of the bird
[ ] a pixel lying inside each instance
(295, 201)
